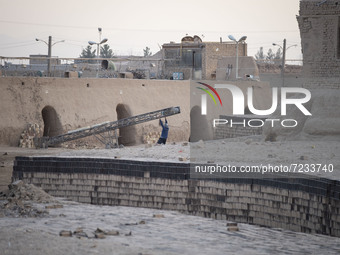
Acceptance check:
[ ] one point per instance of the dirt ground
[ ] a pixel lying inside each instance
(32, 222)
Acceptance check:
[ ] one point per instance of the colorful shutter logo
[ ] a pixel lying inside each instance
(209, 93)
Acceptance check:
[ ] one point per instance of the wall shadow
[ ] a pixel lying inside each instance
(127, 135)
(199, 126)
(52, 124)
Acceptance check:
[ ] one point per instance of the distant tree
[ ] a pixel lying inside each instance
(278, 54)
(270, 56)
(106, 52)
(260, 55)
(88, 53)
(147, 52)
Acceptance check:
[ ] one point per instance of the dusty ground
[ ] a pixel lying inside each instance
(90, 229)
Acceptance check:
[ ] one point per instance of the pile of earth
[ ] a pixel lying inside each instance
(20, 198)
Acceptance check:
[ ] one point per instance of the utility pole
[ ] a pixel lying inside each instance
(284, 49)
(100, 39)
(49, 56)
(98, 46)
(283, 62)
(242, 39)
(236, 60)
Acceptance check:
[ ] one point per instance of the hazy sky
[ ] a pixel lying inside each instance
(131, 25)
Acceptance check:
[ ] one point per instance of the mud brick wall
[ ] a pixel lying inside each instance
(319, 24)
(301, 204)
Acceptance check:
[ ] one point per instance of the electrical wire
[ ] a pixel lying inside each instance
(2, 44)
(142, 30)
(16, 46)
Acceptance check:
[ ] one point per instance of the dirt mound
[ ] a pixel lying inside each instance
(19, 198)
(19, 190)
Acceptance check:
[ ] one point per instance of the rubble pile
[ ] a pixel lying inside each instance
(27, 137)
(139, 74)
(18, 200)
(98, 233)
(151, 137)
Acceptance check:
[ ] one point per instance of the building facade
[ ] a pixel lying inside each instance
(319, 23)
(197, 59)
(43, 60)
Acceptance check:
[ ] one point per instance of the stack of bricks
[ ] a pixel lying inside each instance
(29, 134)
(298, 204)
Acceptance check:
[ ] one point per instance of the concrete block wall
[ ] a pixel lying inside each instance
(322, 83)
(301, 204)
(228, 131)
(314, 7)
(222, 132)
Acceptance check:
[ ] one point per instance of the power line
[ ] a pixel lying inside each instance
(16, 46)
(44, 25)
(16, 43)
(146, 30)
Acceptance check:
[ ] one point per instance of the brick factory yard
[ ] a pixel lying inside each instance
(237, 151)
(175, 233)
(127, 230)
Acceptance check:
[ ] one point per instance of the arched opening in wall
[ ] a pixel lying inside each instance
(199, 127)
(127, 135)
(52, 124)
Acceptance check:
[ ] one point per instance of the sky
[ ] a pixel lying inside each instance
(132, 25)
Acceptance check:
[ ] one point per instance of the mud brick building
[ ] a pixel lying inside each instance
(319, 23)
(202, 60)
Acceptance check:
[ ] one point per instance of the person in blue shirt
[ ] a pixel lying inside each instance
(165, 131)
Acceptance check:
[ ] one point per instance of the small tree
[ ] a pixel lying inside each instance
(88, 53)
(106, 52)
(147, 52)
(270, 56)
(260, 55)
(278, 54)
